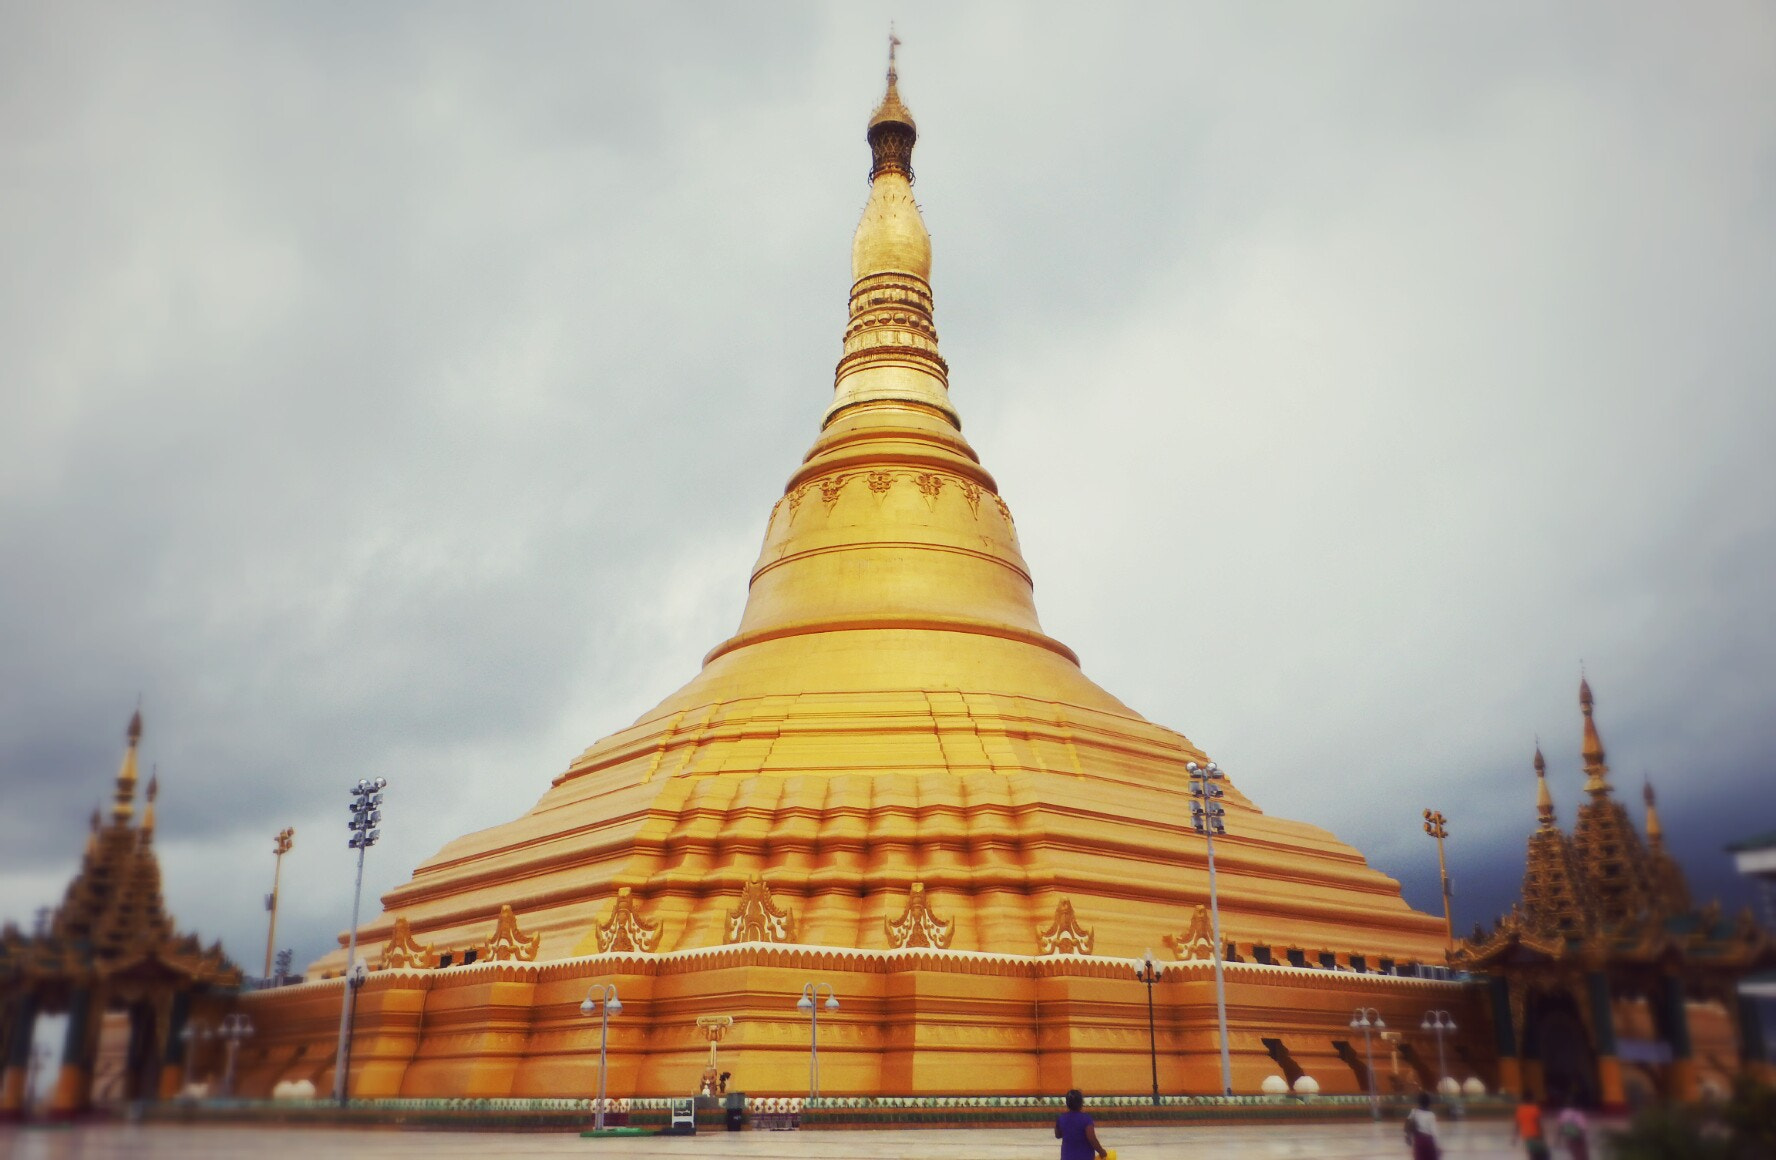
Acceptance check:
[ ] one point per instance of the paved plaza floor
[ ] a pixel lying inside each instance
(1480, 1141)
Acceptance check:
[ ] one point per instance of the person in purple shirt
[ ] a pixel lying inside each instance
(1076, 1132)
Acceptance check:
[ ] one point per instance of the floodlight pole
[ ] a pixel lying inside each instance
(285, 840)
(1437, 826)
(1207, 815)
(366, 813)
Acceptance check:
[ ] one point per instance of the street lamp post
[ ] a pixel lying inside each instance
(235, 1027)
(1439, 1023)
(1149, 974)
(35, 1066)
(285, 839)
(809, 1002)
(1437, 826)
(1208, 816)
(1361, 1019)
(607, 1004)
(191, 1033)
(366, 814)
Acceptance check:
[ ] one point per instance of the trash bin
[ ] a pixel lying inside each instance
(734, 1103)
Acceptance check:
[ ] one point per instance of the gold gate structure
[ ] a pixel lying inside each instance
(891, 779)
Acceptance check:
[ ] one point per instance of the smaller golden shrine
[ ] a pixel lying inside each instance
(110, 946)
(1606, 982)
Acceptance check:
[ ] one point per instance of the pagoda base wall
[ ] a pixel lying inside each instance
(913, 1022)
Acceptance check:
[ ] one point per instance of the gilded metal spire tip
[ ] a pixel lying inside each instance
(891, 130)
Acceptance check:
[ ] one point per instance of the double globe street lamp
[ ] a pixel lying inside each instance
(1361, 1020)
(1440, 1023)
(810, 1002)
(234, 1028)
(606, 1005)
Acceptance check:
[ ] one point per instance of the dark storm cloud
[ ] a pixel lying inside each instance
(402, 391)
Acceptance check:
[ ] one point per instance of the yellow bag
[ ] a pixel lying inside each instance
(1109, 1154)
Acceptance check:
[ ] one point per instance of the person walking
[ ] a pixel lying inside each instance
(1077, 1132)
(1527, 1129)
(1574, 1132)
(1421, 1130)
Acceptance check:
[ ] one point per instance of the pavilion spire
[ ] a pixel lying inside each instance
(148, 810)
(1609, 846)
(1544, 799)
(123, 805)
(1669, 887)
(1596, 767)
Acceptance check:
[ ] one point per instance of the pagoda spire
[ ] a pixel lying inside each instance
(1596, 768)
(1669, 887)
(148, 810)
(123, 805)
(1554, 888)
(1544, 799)
(890, 350)
(1609, 846)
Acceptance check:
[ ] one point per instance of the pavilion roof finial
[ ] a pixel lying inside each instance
(123, 804)
(1544, 799)
(1596, 768)
(1654, 831)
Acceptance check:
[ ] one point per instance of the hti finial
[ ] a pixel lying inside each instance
(892, 131)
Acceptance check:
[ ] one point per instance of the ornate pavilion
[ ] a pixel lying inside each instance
(1607, 982)
(110, 947)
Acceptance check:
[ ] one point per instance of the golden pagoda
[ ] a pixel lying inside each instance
(889, 778)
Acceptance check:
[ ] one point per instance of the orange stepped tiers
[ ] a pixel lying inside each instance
(891, 779)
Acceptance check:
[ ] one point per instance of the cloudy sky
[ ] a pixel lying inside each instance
(401, 390)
